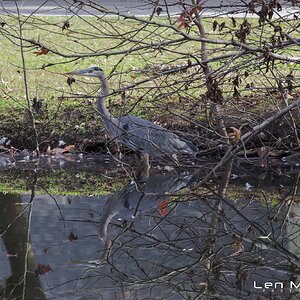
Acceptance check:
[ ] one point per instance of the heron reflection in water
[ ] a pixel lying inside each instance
(135, 198)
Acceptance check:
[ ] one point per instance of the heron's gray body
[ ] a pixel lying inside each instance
(146, 137)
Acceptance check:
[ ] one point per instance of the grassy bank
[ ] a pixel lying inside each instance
(176, 100)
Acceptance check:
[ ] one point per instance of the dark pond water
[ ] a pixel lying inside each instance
(165, 238)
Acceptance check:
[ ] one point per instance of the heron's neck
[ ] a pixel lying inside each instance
(101, 98)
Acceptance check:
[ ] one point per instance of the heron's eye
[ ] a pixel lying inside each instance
(90, 71)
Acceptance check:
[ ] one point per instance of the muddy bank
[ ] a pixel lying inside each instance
(80, 125)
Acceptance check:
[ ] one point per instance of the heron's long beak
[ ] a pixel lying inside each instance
(78, 73)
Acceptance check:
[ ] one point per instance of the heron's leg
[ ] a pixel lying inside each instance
(142, 166)
(106, 248)
(120, 155)
(175, 159)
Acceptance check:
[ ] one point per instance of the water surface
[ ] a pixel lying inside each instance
(164, 238)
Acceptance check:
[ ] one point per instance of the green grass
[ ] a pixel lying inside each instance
(102, 35)
(88, 35)
(59, 182)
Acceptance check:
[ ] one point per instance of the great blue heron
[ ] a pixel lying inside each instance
(142, 136)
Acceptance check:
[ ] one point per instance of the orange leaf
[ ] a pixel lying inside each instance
(179, 26)
(195, 10)
(42, 51)
(184, 20)
(57, 151)
(42, 269)
(69, 148)
(234, 135)
(163, 207)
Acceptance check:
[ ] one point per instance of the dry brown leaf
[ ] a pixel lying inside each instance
(234, 135)
(70, 81)
(159, 10)
(238, 247)
(69, 148)
(42, 51)
(57, 151)
(66, 25)
(42, 269)
(73, 237)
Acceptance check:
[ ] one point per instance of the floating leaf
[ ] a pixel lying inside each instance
(73, 237)
(238, 247)
(42, 269)
(163, 207)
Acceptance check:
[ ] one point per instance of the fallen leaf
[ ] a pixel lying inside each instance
(215, 25)
(42, 269)
(73, 237)
(159, 10)
(57, 151)
(163, 207)
(238, 247)
(234, 135)
(37, 104)
(221, 26)
(66, 25)
(70, 81)
(42, 51)
(69, 148)
(233, 21)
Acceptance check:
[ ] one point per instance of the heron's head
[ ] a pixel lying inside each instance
(93, 71)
